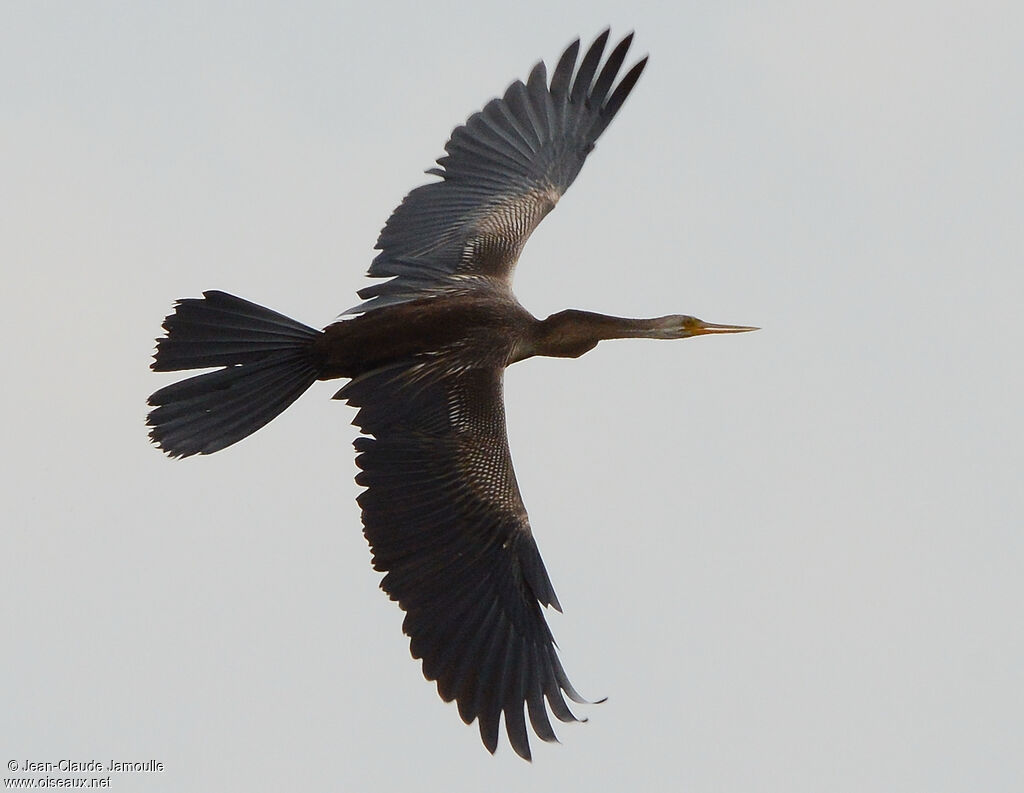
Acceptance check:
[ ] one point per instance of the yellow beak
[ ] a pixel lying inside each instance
(701, 328)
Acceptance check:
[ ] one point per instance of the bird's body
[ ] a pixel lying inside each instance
(425, 356)
(476, 330)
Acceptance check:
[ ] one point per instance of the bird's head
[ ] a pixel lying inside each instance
(681, 326)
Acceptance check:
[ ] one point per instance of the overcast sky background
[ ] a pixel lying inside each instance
(792, 560)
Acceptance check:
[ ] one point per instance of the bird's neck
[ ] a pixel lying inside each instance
(570, 333)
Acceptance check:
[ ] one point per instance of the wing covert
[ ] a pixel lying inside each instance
(503, 171)
(445, 521)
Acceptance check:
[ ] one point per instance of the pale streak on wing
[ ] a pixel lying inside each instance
(504, 170)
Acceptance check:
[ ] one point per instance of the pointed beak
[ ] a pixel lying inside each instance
(702, 328)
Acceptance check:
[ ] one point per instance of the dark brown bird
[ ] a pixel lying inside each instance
(425, 356)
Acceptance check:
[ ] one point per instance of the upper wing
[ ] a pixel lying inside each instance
(504, 170)
(445, 521)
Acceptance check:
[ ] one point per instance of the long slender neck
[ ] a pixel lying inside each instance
(570, 333)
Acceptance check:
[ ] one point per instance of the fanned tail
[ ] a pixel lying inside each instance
(267, 364)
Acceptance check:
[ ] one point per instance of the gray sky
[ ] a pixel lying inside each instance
(791, 560)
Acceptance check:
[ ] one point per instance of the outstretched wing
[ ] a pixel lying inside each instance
(504, 170)
(446, 523)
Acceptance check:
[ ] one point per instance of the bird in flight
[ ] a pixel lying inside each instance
(425, 355)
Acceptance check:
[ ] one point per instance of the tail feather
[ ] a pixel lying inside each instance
(223, 330)
(267, 360)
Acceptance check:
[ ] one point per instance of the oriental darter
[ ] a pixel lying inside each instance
(425, 356)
